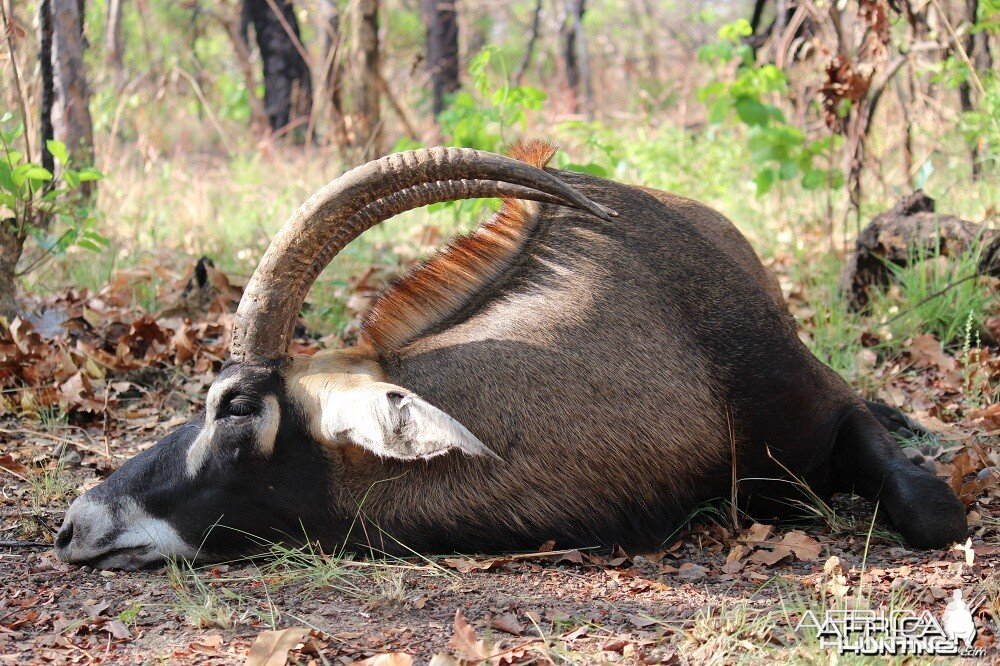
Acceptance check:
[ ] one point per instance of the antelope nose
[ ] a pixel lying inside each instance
(64, 537)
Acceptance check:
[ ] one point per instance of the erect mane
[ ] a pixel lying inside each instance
(437, 289)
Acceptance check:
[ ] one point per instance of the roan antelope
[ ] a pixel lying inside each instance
(580, 368)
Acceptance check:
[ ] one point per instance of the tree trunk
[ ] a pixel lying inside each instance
(287, 84)
(529, 50)
(983, 57)
(441, 21)
(48, 94)
(11, 244)
(368, 122)
(71, 111)
(965, 87)
(575, 58)
(758, 12)
(331, 74)
(781, 16)
(113, 36)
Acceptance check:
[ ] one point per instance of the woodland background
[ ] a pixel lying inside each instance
(149, 149)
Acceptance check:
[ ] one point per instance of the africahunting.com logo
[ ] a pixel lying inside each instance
(899, 632)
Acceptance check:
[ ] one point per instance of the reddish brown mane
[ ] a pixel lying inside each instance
(438, 288)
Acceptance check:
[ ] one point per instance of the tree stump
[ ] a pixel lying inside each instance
(906, 232)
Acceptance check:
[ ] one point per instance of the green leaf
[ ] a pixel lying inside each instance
(788, 170)
(718, 110)
(71, 177)
(20, 174)
(10, 136)
(58, 150)
(38, 173)
(91, 240)
(6, 182)
(90, 173)
(814, 179)
(751, 111)
(732, 32)
(764, 180)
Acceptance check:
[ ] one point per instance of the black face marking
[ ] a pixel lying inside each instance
(238, 498)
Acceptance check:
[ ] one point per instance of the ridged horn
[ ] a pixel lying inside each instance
(360, 199)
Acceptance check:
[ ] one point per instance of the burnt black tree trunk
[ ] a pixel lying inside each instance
(758, 11)
(368, 80)
(965, 88)
(287, 84)
(529, 50)
(441, 21)
(48, 81)
(575, 57)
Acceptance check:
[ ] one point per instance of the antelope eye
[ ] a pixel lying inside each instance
(241, 407)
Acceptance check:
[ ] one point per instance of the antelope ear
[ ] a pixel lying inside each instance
(392, 422)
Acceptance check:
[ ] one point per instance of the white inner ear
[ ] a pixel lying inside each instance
(392, 422)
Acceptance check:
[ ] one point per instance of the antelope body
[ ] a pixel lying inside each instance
(582, 368)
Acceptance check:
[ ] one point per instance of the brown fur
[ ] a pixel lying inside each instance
(598, 399)
(434, 291)
(589, 379)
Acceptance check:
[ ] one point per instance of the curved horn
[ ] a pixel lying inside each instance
(357, 201)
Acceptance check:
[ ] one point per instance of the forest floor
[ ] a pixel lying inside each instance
(93, 376)
(712, 595)
(109, 379)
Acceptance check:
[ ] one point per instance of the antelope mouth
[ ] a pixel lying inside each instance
(128, 558)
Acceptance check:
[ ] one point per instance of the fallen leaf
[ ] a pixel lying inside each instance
(465, 641)
(571, 556)
(804, 546)
(465, 565)
(442, 659)
(387, 659)
(616, 645)
(756, 533)
(94, 608)
(834, 580)
(507, 623)
(548, 546)
(770, 557)
(271, 647)
(691, 571)
(14, 467)
(118, 629)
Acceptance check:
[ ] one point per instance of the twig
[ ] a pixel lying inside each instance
(24, 544)
(296, 42)
(44, 257)
(399, 110)
(960, 48)
(63, 440)
(208, 109)
(17, 79)
(529, 50)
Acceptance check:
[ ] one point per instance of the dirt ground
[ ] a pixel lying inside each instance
(110, 380)
(711, 595)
